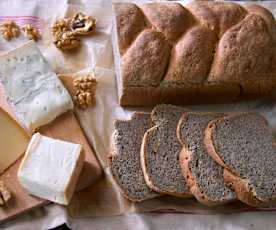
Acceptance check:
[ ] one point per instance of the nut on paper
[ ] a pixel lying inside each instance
(66, 32)
(85, 90)
(31, 32)
(66, 40)
(9, 30)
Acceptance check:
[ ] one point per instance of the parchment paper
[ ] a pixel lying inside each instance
(104, 199)
(98, 124)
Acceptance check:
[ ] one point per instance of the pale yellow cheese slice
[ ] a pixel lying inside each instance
(13, 140)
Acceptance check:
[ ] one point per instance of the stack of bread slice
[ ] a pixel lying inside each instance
(215, 157)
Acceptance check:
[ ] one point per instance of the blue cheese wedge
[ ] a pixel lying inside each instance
(50, 168)
(32, 87)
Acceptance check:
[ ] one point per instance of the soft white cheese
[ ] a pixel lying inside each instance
(50, 168)
(32, 87)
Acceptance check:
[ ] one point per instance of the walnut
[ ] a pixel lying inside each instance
(31, 32)
(83, 24)
(85, 83)
(60, 25)
(9, 30)
(85, 88)
(84, 99)
(66, 40)
(5, 194)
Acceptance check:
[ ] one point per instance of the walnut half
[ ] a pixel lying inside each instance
(66, 40)
(82, 24)
(9, 30)
(60, 25)
(31, 32)
(5, 194)
(85, 90)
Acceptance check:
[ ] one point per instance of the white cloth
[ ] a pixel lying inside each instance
(53, 215)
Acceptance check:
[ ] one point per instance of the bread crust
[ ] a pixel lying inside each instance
(241, 187)
(188, 94)
(110, 158)
(113, 157)
(144, 165)
(184, 158)
(217, 75)
(131, 24)
(208, 142)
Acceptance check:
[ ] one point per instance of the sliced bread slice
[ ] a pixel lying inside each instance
(243, 144)
(125, 161)
(203, 175)
(160, 151)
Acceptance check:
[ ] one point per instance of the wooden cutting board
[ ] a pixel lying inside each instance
(65, 127)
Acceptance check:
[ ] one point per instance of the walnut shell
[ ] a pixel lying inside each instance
(82, 24)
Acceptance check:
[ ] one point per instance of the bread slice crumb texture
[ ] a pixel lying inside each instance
(125, 161)
(202, 173)
(244, 145)
(160, 153)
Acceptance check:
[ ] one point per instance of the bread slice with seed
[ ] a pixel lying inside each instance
(243, 144)
(160, 151)
(125, 161)
(203, 175)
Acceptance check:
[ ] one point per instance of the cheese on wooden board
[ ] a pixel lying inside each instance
(50, 168)
(13, 140)
(32, 87)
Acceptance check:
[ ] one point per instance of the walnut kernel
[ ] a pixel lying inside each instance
(85, 88)
(5, 194)
(85, 83)
(66, 40)
(60, 25)
(84, 99)
(31, 32)
(9, 30)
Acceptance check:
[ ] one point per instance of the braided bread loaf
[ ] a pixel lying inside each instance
(203, 52)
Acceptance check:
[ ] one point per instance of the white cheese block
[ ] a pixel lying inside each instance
(50, 168)
(32, 87)
(13, 140)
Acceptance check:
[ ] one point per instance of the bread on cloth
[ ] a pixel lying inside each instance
(124, 162)
(203, 175)
(201, 53)
(244, 145)
(160, 153)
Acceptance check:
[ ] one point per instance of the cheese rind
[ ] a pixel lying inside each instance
(13, 140)
(32, 87)
(50, 168)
